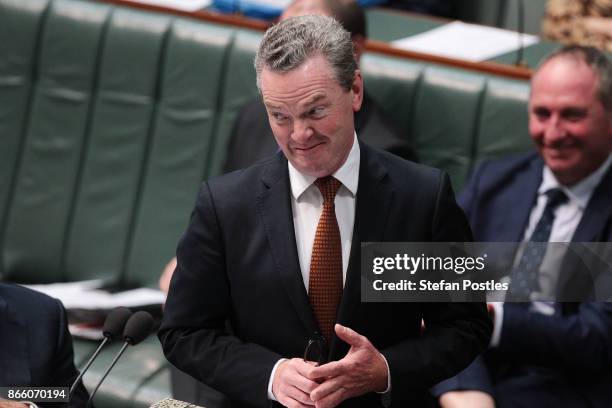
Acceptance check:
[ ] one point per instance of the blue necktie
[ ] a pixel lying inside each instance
(525, 275)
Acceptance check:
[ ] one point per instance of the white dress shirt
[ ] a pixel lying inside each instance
(307, 206)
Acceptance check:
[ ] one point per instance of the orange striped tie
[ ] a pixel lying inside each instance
(325, 281)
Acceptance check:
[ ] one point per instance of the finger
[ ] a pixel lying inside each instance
(304, 384)
(332, 369)
(300, 396)
(333, 399)
(291, 403)
(327, 387)
(302, 378)
(304, 368)
(349, 335)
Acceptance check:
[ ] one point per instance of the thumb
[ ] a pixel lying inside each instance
(349, 335)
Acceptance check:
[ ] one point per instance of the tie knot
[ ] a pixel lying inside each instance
(556, 197)
(329, 187)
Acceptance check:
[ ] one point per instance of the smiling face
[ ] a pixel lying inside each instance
(311, 115)
(570, 126)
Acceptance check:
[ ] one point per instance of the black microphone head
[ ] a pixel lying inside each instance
(115, 322)
(138, 327)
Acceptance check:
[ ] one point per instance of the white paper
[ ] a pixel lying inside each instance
(465, 41)
(85, 332)
(86, 295)
(184, 5)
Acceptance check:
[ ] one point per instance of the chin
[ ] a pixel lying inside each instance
(319, 169)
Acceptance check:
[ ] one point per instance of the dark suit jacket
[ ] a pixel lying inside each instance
(252, 139)
(35, 345)
(575, 345)
(238, 261)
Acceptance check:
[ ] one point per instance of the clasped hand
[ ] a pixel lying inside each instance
(303, 384)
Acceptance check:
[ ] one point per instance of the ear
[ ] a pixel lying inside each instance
(357, 91)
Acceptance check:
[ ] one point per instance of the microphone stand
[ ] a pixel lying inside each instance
(106, 373)
(91, 360)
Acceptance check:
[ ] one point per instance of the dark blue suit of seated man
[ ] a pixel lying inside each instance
(543, 354)
(35, 345)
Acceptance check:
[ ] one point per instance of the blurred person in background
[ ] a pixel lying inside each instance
(440, 8)
(545, 354)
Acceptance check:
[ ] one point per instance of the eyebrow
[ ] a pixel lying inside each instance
(305, 105)
(314, 99)
(271, 106)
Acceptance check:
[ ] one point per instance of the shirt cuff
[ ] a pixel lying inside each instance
(498, 320)
(385, 396)
(271, 380)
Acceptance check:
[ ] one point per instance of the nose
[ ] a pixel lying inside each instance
(301, 131)
(554, 132)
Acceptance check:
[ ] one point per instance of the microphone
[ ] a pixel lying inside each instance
(112, 329)
(137, 328)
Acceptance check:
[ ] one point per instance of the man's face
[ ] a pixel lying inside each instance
(311, 115)
(569, 125)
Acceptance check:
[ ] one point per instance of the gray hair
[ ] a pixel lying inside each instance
(596, 60)
(288, 44)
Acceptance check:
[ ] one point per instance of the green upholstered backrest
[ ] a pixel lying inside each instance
(454, 118)
(108, 128)
(182, 140)
(110, 118)
(502, 127)
(447, 109)
(238, 88)
(55, 125)
(392, 83)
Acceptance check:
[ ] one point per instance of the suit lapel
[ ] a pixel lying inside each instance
(517, 217)
(274, 203)
(575, 277)
(374, 198)
(14, 359)
(598, 212)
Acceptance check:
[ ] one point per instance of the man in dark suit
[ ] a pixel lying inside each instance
(546, 354)
(252, 139)
(35, 345)
(274, 249)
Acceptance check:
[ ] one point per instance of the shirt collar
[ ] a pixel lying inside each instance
(347, 174)
(580, 192)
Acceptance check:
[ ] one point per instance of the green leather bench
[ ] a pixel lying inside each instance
(110, 117)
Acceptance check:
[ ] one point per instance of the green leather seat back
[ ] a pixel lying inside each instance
(20, 23)
(239, 87)
(392, 82)
(446, 117)
(54, 138)
(120, 133)
(180, 145)
(502, 129)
